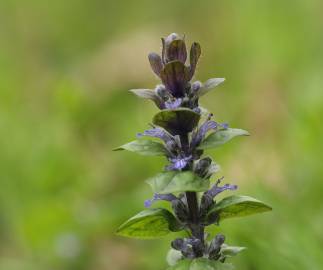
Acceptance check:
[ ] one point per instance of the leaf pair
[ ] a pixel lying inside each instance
(150, 223)
(154, 223)
(152, 148)
(144, 147)
(220, 137)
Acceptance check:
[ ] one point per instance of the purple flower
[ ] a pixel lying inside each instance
(173, 104)
(190, 247)
(178, 163)
(199, 135)
(157, 133)
(215, 190)
(157, 197)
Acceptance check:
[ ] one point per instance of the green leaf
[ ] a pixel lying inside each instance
(220, 137)
(209, 85)
(150, 223)
(230, 251)
(177, 122)
(201, 264)
(144, 93)
(177, 181)
(238, 206)
(147, 94)
(144, 147)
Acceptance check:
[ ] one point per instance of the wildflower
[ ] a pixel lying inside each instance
(215, 190)
(171, 68)
(178, 163)
(158, 197)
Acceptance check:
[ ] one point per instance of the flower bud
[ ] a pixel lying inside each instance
(196, 86)
(206, 203)
(190, 247)
(162, 92)
(201, 168)
(178, 244)
(180, 210)
(215, 247)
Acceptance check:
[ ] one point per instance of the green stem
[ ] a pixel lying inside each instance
(192, 203)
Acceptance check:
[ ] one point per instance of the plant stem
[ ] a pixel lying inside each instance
(191, 198)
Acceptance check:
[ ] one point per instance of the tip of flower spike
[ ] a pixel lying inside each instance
(172, 37)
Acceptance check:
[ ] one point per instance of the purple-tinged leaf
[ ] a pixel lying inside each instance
(194, 57)
(148, 94)
(178, 121)
(176, 50)
(155, 63)
(175, 76)
(209, 85)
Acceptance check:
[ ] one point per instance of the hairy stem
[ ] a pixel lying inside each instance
(191, 197)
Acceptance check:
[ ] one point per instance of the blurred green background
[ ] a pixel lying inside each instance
(65, 71)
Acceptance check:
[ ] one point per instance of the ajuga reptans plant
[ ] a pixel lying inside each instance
(184, 130)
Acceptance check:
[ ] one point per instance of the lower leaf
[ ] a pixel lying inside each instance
(177, 181)
(238, 206)
(150, 223)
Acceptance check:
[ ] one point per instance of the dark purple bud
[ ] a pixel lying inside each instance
(215, 190)
(194, 57)
(180, 210)
(198, 248)
(190, 247)
(202, 166)
(160, 197)
(175, 76)
(178, 244)
(173, 104)
(215, 247)
(155, 63)
(206, 203)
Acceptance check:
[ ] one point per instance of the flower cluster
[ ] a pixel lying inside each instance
(176, 89)
(186, 180)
